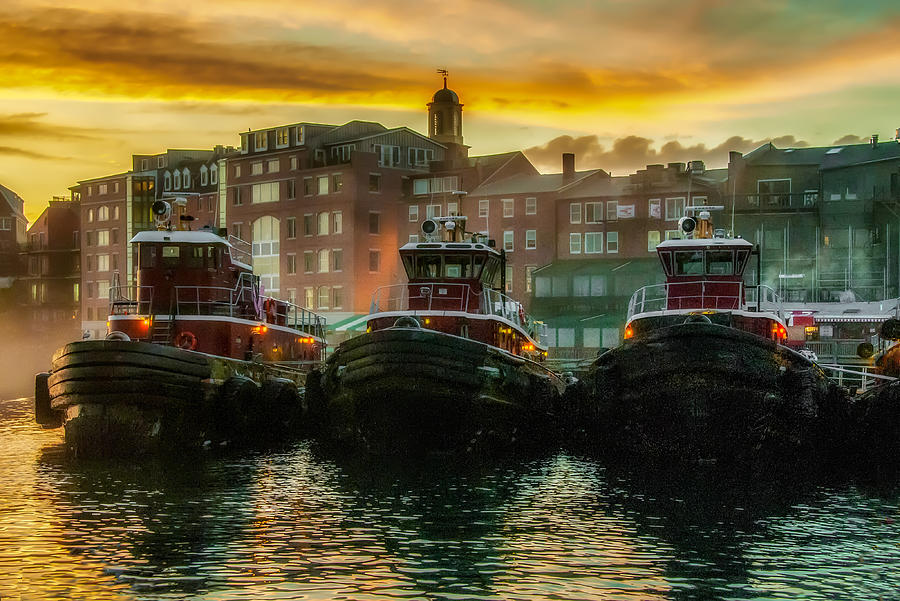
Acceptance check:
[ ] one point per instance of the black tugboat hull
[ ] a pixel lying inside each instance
(402, 390)
(127, 397)
(705, 392)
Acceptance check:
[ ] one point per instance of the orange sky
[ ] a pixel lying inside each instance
(620, 82)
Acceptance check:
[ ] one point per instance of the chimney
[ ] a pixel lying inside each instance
(874, 140)
(734, 156)
(568, 167)
(897, 135)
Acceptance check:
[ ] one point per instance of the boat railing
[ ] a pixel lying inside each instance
(764, 298)
(703, 294)
(243, 302)
(424, 297)
(496, 303)
(130, 299)
(860, 377)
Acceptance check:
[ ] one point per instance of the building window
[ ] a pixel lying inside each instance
(291, 189)
(324, 260)
(176, 179)
(186, 179)
(308, 224)
(612, 242)
(273, 166)
(509, 207)
(413, 239)
(145, 164)
(432, 211)
(374, 260)
(509, 279)
(160, 162)
(593, 243)
(342, 153)
(281, 136)
(337, 259)
(322, 182)
(237, 230)
(103, 213)
(102, 189)
(167, 181)
(204, 175)
(388, 156)
(291, 263)
(530, 239)
(237, 170)
(652, 240)
(452, 209)
(323, 297)
(593, 212)
(337, 182)
(103, 238)
(674, 209)
(337, 297)
(256, 168)
(484, 207)
(337, 222)
(102, 262)
(267, 192)
(294, 163)
(322, 228)
(413, 213)
(531, 205)
(508, 240)
(309, 261)
(292, 296)
(612, 210)
(420, 186)
(103, 289)
(90, 215)
(654, 210)
(307, 186)
(291, 227)
(574, 243)
(236, 197)
(673, 234)
(419, 157)
(529, 275)
(575, 212)
(260, 141)
(374, 223)
(76, 292)
(374, 182)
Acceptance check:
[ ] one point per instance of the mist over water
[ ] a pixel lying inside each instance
(23, 353)
(299, 524)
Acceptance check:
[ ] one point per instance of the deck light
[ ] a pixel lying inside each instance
(628, 332)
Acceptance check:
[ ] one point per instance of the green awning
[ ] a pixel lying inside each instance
(353, 323)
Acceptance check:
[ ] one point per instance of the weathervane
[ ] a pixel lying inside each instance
(445, 73)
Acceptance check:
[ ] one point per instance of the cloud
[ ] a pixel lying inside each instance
(27, 154)
(631, 153)
(31, 124)
(849, 139)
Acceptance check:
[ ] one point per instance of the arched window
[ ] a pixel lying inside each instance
(186, 179)
(204, 175)
(214, 174)
(177, 178)
(167, 181)
(323, 260)
(266, 253)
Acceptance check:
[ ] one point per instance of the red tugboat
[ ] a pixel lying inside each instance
(447, 361)
(195, 352)
(703, 373)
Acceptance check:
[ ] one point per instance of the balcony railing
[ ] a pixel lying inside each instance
(768, 201)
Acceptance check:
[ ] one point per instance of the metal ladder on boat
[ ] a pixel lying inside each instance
(161, 333)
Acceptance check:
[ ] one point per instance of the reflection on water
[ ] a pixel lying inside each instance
(297, 524)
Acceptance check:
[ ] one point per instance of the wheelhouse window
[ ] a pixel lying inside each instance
(689, 262)
(171, 256)
(719, 262)
(458, 266)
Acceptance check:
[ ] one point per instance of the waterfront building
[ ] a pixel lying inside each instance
(12, 236)
(51, 284)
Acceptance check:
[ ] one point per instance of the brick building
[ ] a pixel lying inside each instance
(51, 285)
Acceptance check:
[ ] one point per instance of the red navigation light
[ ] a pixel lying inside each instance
(628, 332)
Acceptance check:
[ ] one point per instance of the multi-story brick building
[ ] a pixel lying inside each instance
(51, 285)
(115, 207)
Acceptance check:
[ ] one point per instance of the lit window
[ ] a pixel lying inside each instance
(323, 184)
(652, 240)
(260, 141)
(323, 223)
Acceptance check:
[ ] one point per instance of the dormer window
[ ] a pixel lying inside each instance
(204, 175)
(186, 179)
(261, 141)
(160, 162)
(214, 174)
(282, 137)
(177, 177)
(167, 181)
(244, 143)
(301, 137)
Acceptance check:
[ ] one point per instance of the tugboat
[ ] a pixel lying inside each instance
(447, 363)
(195, 353)
(703, 374)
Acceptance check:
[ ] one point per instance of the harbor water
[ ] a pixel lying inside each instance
(300, 523)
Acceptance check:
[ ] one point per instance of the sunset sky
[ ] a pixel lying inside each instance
(622, 83)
